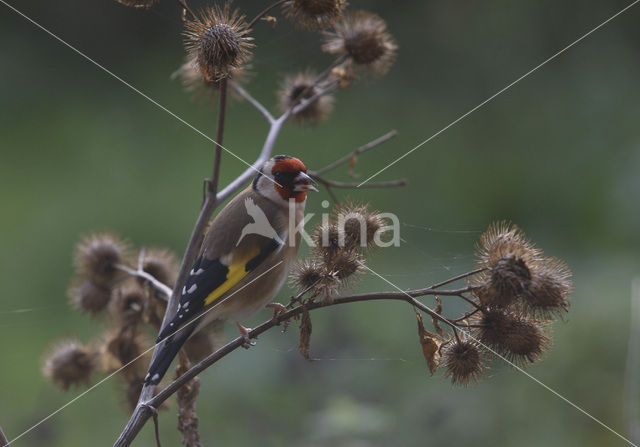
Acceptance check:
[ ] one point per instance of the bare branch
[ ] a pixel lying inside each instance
(139, 273)
(142, 413)
(4, 442)
(337, 184)
(264, 13)
(317, 175)
(360, 150)
(253, 101)
(457, 278)
(306, 102)
(184, 5)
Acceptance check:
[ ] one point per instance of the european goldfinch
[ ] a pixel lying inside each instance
(244, 259)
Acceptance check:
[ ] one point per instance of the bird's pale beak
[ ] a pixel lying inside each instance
(302, 183)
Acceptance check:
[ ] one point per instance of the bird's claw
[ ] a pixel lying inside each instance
(278, 309)
(244, 333)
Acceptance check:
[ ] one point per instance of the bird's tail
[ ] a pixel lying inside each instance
(167, 353)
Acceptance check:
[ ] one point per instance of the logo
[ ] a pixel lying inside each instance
(262, 227)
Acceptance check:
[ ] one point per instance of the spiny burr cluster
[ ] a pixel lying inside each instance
(338, 257)
(219, 47)
(516, 291)
(128, 306)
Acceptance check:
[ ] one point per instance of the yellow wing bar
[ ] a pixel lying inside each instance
(237, 271)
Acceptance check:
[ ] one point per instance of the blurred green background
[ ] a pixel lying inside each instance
(558, 154)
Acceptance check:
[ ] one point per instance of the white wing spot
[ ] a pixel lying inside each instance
(192, 288)
(155, 377)
(180, 316)
(186, 304)
(184, 290)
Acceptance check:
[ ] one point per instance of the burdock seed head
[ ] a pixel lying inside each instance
(69, 363)
(219, 42)
(517, 338)
(301, 86)
(345, 265)
(122, 347)
(97, 256)
(328, 238)
(128, 304)
(547, 294)
(311, 274)
(306, 274)
(313, 14)
(462, 360)
(89, 297)
(363, 39)
(360, 224)
(508, 259)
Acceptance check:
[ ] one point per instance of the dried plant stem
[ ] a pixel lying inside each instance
(187, 417)
(222, 109)
(143, 412)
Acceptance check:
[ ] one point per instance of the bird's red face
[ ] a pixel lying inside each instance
(284, 178)
(290, 178)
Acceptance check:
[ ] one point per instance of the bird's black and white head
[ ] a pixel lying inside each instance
(284, 178)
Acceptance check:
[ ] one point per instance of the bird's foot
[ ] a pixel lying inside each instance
(244, 333)
(278, 309)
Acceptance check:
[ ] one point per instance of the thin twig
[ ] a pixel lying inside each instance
(457, 278)
(159, 286)
(360, 150)
(4, 442)
(183, 3)
(156, 428)
(253, 101)
(470, 301)
(337, 184)
(264, 12)
(466, 316)
(303, 103)
(331, 193)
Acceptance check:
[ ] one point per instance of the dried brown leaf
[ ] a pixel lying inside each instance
(430, 344)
